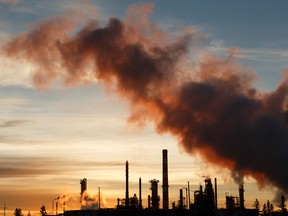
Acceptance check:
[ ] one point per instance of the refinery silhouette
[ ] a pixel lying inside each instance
(204, 200)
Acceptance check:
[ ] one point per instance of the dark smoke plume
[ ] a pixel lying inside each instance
(213, 109)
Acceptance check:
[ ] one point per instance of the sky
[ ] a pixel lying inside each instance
(70, 128)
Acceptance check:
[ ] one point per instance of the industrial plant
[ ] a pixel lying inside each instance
(205, 200)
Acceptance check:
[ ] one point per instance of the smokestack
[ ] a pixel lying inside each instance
(188, 207)
(241, 195)
(149, 202)
(118, 203)
(83, 183)
(140, 193)
(165, 179)
(181, 199)
(127, 185)
(99, 198)
(216, 202)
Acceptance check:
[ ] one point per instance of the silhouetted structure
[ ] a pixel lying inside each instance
(181, 199)
(140, 193)
(209, 195)
(99, 198)
(130, 202)
(231, 202)
(155, 197)
(189, 203)
(215, 188)
(127, 185)
(83, 183)
(241, 195)
(149, 201)
(205, 200)
(235, 205)
(165, 185)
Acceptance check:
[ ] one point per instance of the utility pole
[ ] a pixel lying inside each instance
(4, 208)
(99, 197)
(53, 207)
(186, 198)
(57, 207)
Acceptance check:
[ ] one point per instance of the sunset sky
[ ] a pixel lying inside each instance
(56, 133)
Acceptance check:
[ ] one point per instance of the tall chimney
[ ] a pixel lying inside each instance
(216, 201)
(127, 185)
(140, 193)
(181, 199)
(83, 183)
(165, 180)
(99, 198)
(241, 195)
(149, 202)
(188, 207)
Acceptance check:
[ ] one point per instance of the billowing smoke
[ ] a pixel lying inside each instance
(207, 102)
(59, 201)
(90, 202)
(71, 201)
